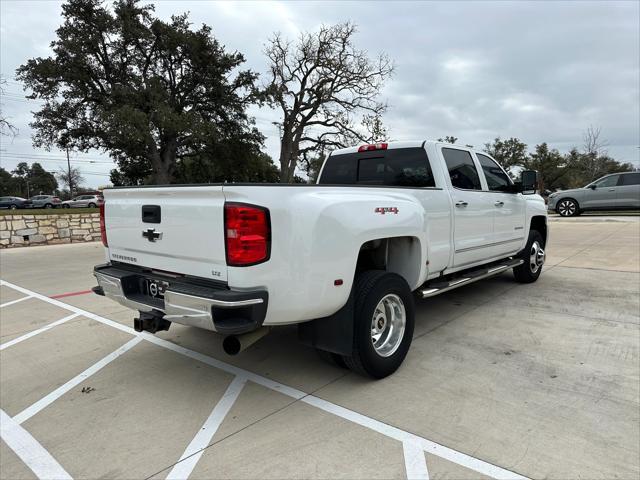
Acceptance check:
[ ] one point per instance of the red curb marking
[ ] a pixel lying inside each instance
(71, 294)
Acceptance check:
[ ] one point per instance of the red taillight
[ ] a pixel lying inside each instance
(103, 227)
(373, 146)
(247, 234)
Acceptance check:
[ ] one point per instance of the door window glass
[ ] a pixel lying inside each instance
(497, 179)
(461, 168)
(610, 181)
(630, 179)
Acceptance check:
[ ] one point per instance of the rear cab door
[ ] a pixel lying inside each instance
(509, 209)
(628, 190)
(473, 207)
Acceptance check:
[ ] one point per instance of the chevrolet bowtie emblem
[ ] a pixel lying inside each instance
(151, 234)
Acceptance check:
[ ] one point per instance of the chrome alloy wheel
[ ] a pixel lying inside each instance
(566, 208)
(536, 257)
(388, 324)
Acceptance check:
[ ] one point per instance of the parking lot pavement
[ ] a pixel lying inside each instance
(503, 380)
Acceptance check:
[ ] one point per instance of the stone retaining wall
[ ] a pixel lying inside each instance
(22, 230)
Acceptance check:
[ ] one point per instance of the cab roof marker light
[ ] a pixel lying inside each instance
(372, 146)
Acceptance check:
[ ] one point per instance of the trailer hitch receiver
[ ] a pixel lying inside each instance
(150, 322)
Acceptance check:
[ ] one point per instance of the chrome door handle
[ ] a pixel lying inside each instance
(461, 204)
(499, 204)
(612, 189)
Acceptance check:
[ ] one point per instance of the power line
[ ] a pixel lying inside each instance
(57, 160)
(51, 156)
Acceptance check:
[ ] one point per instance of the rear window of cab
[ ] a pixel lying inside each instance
(401, 167)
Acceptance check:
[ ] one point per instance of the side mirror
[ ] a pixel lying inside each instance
(528, 182)
(593, 187)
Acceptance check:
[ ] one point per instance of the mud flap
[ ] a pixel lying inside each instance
(333, 333)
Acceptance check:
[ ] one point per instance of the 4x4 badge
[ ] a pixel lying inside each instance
(383, 210)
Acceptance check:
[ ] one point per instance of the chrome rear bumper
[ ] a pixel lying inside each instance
(217, 309)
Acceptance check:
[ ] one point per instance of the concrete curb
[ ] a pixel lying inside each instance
(594, 219)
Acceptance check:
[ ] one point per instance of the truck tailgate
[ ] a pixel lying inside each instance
(188, 237)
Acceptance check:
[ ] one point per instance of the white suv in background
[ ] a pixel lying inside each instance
(90, 201)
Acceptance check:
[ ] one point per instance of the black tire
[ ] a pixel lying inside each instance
(66, 206)
(567, 207)
(48, 205)
(530, 270)
(92, 205)
(332, 358)
(370, 288)
(13, 207)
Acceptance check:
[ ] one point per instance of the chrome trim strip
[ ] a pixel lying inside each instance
(112, 288)
(432, 292)
(220, 303)
(487, 245)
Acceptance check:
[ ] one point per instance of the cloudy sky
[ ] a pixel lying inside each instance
(539, 71)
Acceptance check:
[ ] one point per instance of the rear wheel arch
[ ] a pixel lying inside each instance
(399, 255)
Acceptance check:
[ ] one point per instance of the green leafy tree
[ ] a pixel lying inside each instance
(510, 154)
(8, 184)
(246, 167)
(448, 139)
(41, 181)
(149, 92)
(550, 164)
(28, 181)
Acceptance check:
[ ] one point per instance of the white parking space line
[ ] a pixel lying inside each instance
(415, 462)
(29, 412)
(38, 331)
(29, 450)
(195, 449)
(429, 446)
(403, 436)
(16, 301)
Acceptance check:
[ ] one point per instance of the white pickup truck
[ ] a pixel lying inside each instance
(340, 258)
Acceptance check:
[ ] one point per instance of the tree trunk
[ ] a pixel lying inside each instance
(288, 158)
(163, 162)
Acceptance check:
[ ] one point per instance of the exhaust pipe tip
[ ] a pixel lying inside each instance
(234, 344)
(231, 345)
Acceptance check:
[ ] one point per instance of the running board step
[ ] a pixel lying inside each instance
(436, 288)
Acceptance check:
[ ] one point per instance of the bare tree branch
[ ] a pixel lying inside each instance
(323, 81)
(6, 127)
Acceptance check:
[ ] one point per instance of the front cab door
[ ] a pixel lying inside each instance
(602, 193)
(509, 208)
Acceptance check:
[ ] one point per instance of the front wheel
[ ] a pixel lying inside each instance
(92, 205)
(13, 207)
(48, 205)
(66, 206)
(533, 256)
(568, 208)
(383, 324)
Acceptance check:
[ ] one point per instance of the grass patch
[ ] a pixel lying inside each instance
(47, 211)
